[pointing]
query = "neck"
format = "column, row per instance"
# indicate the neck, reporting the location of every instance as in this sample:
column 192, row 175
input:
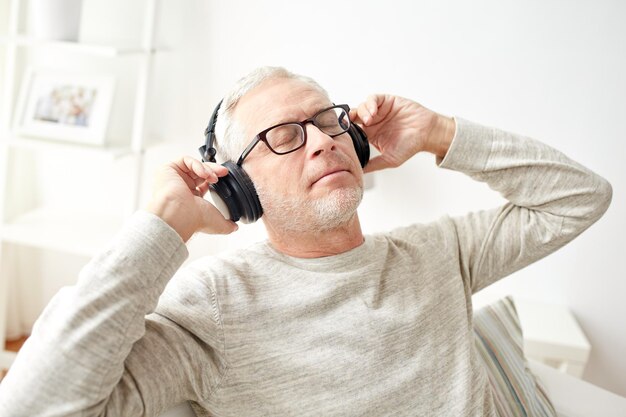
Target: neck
column 317, row 243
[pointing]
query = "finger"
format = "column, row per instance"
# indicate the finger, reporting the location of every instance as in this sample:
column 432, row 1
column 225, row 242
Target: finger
column 353, row 115
column 369, row 108
column 364, row 114
column 219, row 170
column 192, row 172
column 203, row 188
column 199, row 181
column 194, row 168
column 374, row 101
column 377, row 106
column 189, row 181
column 355, row 118
column 202, row 184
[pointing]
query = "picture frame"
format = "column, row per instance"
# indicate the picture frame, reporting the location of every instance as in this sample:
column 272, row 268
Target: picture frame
column 65, row 106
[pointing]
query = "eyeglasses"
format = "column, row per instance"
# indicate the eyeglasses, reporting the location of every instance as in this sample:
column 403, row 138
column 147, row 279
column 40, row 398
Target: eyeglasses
column 288, row 137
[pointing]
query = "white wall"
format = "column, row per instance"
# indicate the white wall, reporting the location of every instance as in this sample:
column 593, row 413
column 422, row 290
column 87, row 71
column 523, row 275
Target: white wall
column 551, row 70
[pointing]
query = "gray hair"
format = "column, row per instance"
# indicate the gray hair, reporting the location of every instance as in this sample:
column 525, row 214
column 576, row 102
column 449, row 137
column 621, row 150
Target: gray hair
column 229, row 134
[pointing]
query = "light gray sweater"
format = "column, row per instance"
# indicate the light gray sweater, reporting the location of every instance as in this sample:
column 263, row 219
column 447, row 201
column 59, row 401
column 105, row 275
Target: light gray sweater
column 382, row 330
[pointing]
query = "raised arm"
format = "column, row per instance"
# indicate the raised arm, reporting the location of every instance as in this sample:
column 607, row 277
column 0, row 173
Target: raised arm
column 552, row 199
column 98, row 349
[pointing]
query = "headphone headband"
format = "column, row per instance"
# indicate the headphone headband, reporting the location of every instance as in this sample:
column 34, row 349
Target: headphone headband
column 208, row 150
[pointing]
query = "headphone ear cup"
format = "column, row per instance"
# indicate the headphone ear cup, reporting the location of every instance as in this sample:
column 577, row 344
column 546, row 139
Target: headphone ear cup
column 236, row 192
column 361, row 145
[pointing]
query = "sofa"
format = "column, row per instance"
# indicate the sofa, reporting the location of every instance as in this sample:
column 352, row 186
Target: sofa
column 573, row 397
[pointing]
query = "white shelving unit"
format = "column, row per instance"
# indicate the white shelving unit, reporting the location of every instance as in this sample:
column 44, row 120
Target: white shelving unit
column 553, row 336
column 93, row 49
column 42, row 227
column 71, row 230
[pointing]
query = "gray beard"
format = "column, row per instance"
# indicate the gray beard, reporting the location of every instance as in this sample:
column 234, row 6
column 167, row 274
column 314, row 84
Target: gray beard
column 301, row 215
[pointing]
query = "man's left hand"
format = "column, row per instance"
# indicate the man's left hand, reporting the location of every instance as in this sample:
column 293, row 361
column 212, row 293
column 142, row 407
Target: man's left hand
column 399, row 128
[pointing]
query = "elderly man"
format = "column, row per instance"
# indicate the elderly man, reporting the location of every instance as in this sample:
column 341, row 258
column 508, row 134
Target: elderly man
column 319, row 320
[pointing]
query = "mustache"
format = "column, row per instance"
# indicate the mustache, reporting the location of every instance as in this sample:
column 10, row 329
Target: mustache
column 332, row 162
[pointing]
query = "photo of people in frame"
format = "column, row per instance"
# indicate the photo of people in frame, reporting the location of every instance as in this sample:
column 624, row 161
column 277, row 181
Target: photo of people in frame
column 66, row 104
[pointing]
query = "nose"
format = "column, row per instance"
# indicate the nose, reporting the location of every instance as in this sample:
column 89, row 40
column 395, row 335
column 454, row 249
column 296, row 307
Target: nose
column 318, row 141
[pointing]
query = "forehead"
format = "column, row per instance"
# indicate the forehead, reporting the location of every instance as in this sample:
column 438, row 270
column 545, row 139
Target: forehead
column 276, row 101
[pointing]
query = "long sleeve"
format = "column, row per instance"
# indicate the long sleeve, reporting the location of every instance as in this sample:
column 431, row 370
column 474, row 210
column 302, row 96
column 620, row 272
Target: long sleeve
column 97, row 349
column 551, row 200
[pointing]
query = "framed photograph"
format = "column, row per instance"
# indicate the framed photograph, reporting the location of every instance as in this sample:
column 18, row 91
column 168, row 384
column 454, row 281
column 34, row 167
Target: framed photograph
column 71, row 107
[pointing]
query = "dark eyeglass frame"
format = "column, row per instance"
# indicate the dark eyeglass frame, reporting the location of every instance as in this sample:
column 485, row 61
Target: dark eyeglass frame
column 261, row 136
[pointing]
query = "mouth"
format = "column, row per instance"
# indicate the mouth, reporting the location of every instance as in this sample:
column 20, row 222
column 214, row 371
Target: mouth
column 330, row 174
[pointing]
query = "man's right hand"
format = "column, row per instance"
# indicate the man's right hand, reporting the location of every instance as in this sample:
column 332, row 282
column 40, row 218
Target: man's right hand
column 178, row 198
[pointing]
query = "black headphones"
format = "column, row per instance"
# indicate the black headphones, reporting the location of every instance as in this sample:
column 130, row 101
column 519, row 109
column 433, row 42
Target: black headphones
column 234, row 195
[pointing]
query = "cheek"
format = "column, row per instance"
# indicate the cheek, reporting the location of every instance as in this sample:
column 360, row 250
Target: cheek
column 348, row 150
column 276, row 178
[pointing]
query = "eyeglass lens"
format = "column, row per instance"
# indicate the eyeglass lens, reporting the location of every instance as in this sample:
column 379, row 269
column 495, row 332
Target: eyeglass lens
column 287, row 137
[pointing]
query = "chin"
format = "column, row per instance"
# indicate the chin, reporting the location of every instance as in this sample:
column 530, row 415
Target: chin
column 330, row 211
column 336, row 208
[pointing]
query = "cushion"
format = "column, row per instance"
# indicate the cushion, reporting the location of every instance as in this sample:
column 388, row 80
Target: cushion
column 499, row 343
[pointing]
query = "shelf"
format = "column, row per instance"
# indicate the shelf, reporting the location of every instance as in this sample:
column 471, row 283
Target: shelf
column 71, row 228
column 6, row 358
column 88, row 48
column 553, row 336
column 43, row 145
column 75, row 232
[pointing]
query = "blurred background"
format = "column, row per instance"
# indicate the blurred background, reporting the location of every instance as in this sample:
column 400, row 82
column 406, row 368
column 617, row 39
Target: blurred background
column 552, row 70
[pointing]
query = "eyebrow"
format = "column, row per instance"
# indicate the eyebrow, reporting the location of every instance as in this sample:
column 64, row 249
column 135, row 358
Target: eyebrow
column 294, row 120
